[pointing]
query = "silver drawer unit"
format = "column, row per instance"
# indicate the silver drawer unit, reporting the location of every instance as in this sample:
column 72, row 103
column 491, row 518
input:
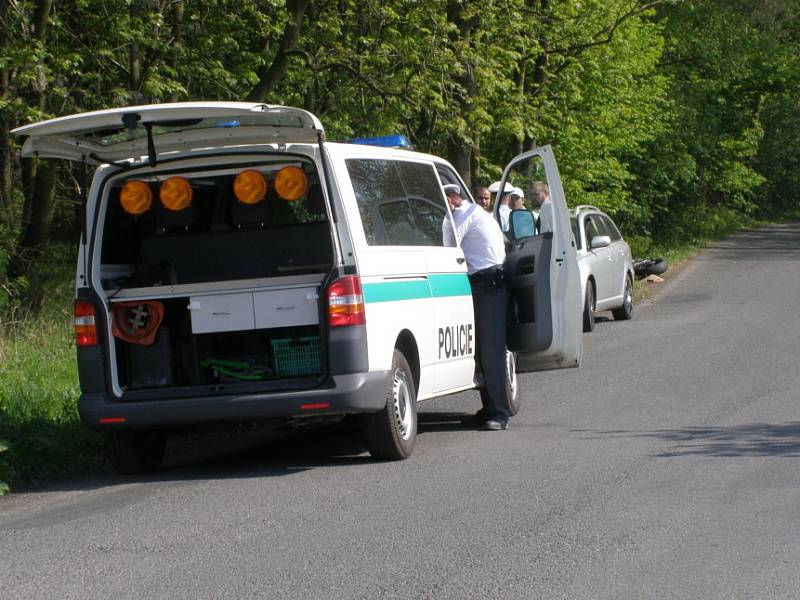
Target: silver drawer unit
column 284, row 308
column 223, row 312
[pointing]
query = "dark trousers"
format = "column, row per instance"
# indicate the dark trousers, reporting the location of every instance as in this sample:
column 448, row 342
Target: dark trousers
column 490, row 300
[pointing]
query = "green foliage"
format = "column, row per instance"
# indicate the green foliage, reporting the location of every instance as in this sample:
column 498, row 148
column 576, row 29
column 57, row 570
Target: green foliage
column 654, row 107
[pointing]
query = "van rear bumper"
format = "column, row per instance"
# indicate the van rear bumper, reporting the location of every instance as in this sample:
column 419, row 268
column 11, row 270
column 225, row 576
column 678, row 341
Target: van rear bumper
column 351, row 393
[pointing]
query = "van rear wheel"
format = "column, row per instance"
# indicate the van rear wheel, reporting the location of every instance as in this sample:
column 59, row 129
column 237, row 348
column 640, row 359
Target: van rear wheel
column 390, row 433
column 132, row 452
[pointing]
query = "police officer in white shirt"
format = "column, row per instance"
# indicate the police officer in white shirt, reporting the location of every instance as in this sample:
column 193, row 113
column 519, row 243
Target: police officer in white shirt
column 484, row 248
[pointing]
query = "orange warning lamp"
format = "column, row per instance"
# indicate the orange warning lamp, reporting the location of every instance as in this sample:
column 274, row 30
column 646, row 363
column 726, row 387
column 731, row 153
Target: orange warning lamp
column 291, row 183
column 175, row 193
column 250, row 187
column 136, row 197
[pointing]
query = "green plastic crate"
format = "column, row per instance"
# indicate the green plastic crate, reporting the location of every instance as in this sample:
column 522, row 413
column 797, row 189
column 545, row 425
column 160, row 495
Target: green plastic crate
column 295, row 357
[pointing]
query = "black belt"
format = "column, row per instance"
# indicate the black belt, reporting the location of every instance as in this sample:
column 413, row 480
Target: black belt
column 486, row 274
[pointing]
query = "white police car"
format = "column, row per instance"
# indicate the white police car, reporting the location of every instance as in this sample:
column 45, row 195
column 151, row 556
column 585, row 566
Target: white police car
column 234, row 265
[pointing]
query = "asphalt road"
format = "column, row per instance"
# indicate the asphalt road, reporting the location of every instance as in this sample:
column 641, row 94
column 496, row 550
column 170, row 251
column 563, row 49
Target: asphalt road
column 665, row 467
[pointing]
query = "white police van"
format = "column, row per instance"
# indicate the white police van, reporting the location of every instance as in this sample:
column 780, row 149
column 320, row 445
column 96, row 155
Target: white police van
column 235, row 266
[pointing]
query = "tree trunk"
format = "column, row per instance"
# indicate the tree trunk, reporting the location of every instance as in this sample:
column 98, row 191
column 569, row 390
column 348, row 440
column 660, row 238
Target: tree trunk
column 7, row 221
column 270, row 75
column 6, row 181
column 460, row 147
column 38, row 180
column 37, row 231
column 177, row 37
column 460, row 156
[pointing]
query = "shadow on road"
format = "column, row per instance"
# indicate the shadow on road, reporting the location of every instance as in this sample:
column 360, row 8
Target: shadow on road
column 751, row 440
column 231, row 455
column 250, row 454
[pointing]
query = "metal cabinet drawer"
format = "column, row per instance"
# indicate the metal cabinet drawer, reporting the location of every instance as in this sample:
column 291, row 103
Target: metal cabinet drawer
column 283, row 308
column 224, row 312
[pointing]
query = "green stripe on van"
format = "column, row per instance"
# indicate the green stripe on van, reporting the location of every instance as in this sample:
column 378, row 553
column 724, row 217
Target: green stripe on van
column 389, row 291
column 455, row 284
column 435, row 286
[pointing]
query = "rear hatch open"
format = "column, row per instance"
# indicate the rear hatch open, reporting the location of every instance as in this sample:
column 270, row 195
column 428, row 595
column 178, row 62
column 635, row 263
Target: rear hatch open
column 211, row 263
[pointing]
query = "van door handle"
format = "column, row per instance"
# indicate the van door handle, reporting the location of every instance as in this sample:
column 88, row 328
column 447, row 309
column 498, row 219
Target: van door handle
column 460, row 260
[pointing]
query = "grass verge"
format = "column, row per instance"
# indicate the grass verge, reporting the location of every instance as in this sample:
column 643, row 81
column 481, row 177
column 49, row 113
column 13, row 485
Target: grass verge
column 40, row 432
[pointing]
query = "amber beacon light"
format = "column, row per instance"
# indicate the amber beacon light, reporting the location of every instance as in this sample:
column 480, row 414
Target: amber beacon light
column 176, row 193
column 136, row 197
column 250, row 187
column 291, row 183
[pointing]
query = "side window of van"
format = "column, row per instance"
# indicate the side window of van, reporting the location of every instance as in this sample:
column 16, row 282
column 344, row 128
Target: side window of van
column 400, row 202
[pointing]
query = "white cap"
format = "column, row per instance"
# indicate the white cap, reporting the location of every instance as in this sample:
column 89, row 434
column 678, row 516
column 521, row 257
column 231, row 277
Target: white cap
column 517, row 192
column 495, row 187
column 451, row 188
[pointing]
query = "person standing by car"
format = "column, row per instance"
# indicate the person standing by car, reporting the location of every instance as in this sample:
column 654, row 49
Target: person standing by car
column 484, row 248
column 517, row 199
column 484, row 198
column 540, row 197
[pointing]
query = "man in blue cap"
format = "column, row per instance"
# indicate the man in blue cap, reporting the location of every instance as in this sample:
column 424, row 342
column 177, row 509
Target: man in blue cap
column 483, row 244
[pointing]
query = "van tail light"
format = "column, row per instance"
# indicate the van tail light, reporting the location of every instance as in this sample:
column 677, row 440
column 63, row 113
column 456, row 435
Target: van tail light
column 346, row 302
column 85, row 323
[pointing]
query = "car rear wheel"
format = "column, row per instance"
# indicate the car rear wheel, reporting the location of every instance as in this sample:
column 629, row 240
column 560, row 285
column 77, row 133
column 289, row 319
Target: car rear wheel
column 132, row 452
column 625, row 312
column 390, row 433
column 588, row 308
column 512, row 384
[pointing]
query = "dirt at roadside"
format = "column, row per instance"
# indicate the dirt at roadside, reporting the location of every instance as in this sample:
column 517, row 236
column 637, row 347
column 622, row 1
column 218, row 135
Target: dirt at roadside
column 645, row 288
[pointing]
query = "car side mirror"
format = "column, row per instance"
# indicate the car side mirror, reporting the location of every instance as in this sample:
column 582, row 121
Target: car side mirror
column 600, row 241
column 522, row 224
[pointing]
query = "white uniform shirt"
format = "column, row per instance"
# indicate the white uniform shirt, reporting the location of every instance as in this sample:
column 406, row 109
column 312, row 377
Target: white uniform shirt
column 546, row 216
column 505, row 212
column 479, row 235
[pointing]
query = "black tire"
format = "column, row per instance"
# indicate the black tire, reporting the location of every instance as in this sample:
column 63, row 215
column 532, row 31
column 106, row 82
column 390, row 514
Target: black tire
column 625, row 312
column 133, row 452
column 588, row 308
column 390, row 433
column 512, row 384
column 657, row 267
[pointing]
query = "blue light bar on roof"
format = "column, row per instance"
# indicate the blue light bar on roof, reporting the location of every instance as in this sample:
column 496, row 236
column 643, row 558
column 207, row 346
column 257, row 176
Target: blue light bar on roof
column 385, row 141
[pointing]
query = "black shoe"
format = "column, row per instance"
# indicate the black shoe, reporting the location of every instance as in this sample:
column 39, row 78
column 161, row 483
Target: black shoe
column 495, row 425
column 476, row 420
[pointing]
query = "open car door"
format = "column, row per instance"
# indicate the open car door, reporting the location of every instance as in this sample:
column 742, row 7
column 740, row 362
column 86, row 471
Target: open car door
column 544, row 317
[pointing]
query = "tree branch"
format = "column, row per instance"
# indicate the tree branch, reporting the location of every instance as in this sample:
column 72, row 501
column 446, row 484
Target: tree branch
column 270, row 75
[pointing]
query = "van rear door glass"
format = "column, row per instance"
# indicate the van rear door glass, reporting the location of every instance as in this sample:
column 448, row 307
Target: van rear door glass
column 217, row 237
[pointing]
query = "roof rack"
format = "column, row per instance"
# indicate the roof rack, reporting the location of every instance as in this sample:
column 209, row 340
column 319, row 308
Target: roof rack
column 584, row 207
